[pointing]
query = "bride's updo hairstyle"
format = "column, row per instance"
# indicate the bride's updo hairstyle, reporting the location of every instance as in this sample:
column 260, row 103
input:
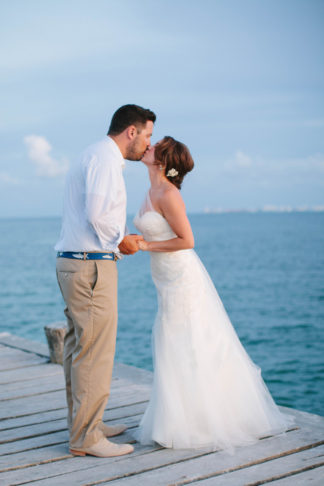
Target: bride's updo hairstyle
column 174, row 155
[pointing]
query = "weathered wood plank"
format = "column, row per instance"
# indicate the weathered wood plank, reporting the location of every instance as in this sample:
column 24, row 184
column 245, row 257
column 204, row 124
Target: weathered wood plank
column 53, row 454
column 55, row 415
column 18, row 342
column 180, row 475
column 41, row 384
column 13, row 350
column 65, row 464
column 49, row 471
column 15, row 355
column 56, row 400
column 24, row 406
column 313, row 477
column 180, row 465
column 31, row 457
column 61, row 437
column 36, row 382
column 133, row 374
column 34, row 442
column 46, row 384
column 37, row 430
column 37, row 456
column 305, row 419
column 288, row 466
column 44, row 471
column 121, row 370
column 21, row 364
column 5, row 352
column 22, row 375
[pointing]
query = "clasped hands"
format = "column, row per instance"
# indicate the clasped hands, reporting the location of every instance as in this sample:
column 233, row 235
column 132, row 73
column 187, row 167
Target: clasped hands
column 130, row 244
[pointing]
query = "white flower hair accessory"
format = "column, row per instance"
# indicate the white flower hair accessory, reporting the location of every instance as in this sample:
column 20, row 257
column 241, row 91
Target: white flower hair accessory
column 172, row 173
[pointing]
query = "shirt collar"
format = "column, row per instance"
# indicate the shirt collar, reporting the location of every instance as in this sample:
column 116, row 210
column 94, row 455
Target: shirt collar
column 116, row 149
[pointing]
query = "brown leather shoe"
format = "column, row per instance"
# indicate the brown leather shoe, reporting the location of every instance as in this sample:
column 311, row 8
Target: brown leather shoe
column 112, row 430
column 104, row 448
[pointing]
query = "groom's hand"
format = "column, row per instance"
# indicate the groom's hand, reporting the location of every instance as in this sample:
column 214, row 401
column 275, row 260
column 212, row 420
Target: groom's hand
column 129, row 245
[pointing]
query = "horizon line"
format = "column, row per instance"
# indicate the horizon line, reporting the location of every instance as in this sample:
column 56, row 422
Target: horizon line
column 207, row 210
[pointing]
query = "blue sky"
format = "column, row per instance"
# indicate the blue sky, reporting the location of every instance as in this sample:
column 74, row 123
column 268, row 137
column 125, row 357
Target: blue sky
column 240, row 82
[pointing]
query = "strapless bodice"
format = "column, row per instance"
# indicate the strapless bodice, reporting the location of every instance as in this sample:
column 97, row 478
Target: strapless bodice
column 166, row 266
column 153, row 226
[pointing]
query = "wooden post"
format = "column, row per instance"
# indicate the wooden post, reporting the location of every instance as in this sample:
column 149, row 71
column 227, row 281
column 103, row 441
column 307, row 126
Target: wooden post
column 55, row 333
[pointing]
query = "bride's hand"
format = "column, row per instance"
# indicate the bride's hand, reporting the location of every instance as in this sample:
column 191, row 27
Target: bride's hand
column 129, row 244
column 143, row 245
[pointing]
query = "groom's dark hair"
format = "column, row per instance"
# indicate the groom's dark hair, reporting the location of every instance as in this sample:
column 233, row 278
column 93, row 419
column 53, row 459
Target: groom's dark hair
column 130, row 115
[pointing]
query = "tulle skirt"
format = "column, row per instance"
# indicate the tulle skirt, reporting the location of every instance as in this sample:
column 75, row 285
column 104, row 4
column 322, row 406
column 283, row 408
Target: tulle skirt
column 206, row 390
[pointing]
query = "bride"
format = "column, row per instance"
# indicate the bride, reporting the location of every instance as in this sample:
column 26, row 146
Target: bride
column 206, row 390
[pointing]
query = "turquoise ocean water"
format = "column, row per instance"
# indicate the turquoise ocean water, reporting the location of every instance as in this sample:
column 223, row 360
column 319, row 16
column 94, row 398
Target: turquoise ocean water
column 267, row 267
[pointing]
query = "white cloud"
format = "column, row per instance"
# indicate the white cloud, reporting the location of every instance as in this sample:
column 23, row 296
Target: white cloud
column 256, row 167
column 8, row 179
column 39, row 153
column 242, row 160
column 239, row 161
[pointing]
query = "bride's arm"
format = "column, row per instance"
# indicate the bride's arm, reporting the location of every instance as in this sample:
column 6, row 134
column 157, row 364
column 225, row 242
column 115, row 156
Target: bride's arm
column 174, row 211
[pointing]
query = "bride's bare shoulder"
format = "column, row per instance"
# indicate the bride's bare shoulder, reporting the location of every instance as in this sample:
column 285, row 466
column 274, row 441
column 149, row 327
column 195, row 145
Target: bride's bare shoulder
column 171, row 196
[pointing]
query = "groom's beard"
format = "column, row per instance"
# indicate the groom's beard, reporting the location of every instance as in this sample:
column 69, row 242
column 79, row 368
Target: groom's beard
column 133, row 152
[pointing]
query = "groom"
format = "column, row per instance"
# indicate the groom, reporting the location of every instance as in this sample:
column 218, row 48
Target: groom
column 92, row 238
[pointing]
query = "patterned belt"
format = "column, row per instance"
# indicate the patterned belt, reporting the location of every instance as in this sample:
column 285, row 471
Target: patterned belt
column 82, row 255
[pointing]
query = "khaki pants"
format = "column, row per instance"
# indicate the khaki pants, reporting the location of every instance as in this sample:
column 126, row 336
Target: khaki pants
column 89, row 289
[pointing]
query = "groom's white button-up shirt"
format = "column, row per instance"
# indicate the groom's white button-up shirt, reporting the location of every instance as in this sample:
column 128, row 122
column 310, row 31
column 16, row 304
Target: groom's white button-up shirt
column 94, row 209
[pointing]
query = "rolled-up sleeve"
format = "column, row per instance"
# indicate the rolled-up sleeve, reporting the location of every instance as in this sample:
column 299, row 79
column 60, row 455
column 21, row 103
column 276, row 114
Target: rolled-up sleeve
column 104, row 193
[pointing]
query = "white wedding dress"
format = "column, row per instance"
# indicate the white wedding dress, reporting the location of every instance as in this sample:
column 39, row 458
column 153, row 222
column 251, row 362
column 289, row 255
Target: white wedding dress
column 206, row 390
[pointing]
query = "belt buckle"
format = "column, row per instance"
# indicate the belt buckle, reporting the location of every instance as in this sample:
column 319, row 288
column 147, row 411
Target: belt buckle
column 85, row 254
column 115, row 257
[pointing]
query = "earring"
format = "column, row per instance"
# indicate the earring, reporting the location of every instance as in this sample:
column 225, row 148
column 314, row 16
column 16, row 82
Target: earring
column 161, row 167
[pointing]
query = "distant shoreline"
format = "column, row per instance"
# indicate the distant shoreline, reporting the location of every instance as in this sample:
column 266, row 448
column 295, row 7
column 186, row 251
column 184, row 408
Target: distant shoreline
column 266, row 209
column 206, row 211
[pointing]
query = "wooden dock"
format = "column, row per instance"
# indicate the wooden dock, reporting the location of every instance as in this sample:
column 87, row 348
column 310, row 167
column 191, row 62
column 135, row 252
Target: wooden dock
column 34, row 438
